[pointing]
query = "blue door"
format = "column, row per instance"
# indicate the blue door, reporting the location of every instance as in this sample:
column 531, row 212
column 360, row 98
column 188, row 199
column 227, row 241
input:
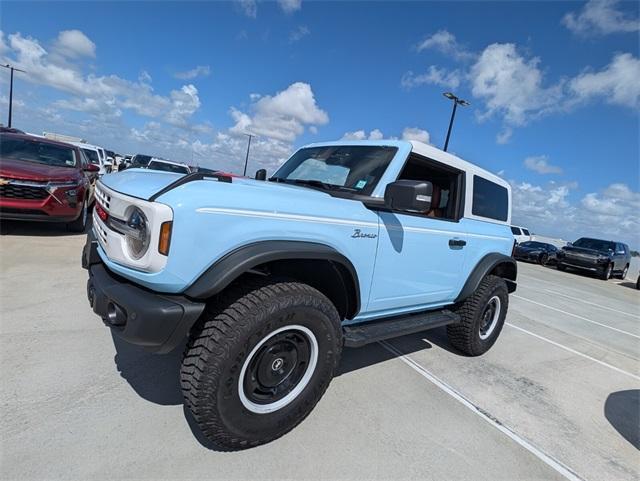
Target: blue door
column 419, row 263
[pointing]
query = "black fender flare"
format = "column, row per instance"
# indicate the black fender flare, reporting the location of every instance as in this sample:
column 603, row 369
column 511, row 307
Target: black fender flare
column 241, row 260
column 486, row 265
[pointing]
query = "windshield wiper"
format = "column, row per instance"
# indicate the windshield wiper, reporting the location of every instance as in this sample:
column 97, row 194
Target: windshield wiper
column 312, row 183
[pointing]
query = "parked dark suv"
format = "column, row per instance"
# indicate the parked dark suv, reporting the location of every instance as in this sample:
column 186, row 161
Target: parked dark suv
column 603, row 257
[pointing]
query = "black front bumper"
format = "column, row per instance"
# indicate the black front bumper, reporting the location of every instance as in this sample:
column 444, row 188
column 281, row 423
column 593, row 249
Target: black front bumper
column 592, row 265
column 157, row 322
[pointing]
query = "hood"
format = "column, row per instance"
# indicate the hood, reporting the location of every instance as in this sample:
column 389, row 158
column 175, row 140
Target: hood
column 582, row 250
column 20, row 169
column 528, row 249
column 144, row 183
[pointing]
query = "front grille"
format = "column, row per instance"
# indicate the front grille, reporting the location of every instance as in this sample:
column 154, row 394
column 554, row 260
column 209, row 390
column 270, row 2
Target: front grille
column 103, row 197
column 16, row 191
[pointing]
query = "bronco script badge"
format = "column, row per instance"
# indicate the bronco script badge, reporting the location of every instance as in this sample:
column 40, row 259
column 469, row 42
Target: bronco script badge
column 357, row 234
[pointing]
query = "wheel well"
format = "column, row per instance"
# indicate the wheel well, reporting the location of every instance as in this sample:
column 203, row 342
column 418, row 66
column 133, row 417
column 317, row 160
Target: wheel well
column 331, row 278
column 506, row 270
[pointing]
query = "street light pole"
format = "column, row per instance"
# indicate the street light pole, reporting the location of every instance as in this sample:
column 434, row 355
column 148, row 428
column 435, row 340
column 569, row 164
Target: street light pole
column 246, row 160
column 12, row 68
column 456, row 101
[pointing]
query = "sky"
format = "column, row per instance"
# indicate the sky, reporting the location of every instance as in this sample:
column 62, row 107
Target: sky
column 554, row 88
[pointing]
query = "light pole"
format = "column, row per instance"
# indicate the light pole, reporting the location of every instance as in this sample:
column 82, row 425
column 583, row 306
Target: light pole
column 246, row 160
column 456, row 101
column 12, row 68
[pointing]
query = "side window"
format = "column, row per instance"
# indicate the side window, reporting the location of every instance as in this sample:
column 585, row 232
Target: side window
column 525, row 232
column 446, row 185
column 490, row 200
column 515, row 231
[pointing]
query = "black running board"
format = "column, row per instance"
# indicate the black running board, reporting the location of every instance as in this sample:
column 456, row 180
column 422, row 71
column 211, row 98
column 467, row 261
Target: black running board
column 367, row 332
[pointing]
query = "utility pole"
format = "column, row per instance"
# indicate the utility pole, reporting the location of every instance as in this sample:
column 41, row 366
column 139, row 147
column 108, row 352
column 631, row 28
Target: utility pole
column 456, row 101
column 246, row 160
column 12, row 68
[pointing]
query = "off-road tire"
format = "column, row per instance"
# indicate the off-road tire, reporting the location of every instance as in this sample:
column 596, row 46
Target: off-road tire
column 224, row 337
column 543, row 259
column 80, row 224
column 465, row 335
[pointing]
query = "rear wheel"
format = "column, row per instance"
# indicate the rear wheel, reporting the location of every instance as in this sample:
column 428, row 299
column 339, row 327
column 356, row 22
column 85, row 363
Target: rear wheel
column 482, row 317
column 258, row 362
column 544, row 259
column 624, row 272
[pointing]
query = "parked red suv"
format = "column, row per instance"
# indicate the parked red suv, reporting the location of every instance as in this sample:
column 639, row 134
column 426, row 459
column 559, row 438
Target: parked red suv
column 45, row 180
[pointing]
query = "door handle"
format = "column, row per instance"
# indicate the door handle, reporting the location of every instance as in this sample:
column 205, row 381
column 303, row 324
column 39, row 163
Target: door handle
column 457, row 243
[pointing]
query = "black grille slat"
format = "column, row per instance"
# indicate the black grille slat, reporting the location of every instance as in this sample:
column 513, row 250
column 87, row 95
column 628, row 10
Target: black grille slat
column 12, row 191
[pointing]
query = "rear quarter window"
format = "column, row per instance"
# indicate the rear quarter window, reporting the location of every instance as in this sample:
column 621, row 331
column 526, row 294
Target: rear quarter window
column 490, row 200
column 515, row 231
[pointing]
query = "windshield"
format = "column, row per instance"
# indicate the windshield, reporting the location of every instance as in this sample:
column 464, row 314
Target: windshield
column 347, row 167
column 178, row 169
column 140, row 160
column 595, row 244
column 34, row 151
column 92, row 155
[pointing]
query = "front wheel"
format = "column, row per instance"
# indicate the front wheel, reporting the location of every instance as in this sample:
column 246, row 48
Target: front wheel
column 80, row 224
column 544, row 259
column 605, row 275
column 481, row 317
column 259, row 360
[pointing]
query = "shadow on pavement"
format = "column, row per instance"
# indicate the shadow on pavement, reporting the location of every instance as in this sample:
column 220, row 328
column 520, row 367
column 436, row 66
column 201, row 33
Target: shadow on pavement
column 629, row 284
column 156, row 378
column 153, row 377
column 622, row 410
column 38, row 229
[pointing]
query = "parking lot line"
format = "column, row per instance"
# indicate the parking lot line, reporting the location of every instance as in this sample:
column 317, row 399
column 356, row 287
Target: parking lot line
column 577, row 316
column 635, row 316
column 573, row 351
column 547, row 459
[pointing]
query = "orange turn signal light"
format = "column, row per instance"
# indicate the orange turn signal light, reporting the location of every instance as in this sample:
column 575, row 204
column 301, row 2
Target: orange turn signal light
column 165, row 238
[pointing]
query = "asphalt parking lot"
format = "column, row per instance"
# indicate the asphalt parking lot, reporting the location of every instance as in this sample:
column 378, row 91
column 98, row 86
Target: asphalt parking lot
column 557, row 397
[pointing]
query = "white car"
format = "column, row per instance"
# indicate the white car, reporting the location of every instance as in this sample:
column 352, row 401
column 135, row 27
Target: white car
column 168, row 166
column 520, row 234
column 97, row 156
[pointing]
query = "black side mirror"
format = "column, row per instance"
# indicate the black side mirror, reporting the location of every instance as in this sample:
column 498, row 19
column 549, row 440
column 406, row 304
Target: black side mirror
column 409, row 195
column 261, row 174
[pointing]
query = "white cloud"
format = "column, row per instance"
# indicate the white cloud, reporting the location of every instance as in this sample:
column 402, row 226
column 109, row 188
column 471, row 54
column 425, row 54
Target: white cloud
column 549, row 210
column 414, row 133
column 541, row 165
column 618, row 83
column 434, row 75
column 74, row 44
column 199, row 71
column 290, row 6
column 282, row 116
column 446, row 43
column 105, row 95
column 600, row 17
column 375, row 134
column 299, row 33
column 511, row 85
column 248, row 7
column 504, row 136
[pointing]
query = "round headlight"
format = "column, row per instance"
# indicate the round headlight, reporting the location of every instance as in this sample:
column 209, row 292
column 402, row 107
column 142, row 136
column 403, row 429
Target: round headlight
column 138, row 236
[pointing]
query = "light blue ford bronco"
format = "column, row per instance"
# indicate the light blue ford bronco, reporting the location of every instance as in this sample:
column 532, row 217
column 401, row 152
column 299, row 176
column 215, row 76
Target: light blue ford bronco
column 346, row 244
